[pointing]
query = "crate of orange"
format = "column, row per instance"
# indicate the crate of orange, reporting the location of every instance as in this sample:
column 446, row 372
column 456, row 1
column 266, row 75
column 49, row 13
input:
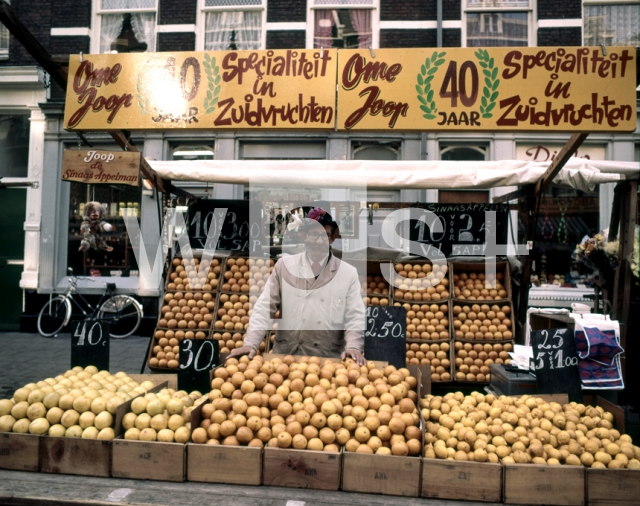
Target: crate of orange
column 421, row 281
column 246, row 275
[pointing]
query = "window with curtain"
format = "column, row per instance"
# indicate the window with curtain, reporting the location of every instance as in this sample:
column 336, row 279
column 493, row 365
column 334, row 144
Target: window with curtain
column 4, row 39
column 343, row 28
column 131, row 29
column 495, row 23
column 233, row 30
column 612, row 25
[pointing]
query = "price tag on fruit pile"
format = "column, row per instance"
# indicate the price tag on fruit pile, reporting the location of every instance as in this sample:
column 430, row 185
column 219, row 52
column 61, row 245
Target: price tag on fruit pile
column 385, row 336
column 197, row 358
column 90, row 344
column 556, row 362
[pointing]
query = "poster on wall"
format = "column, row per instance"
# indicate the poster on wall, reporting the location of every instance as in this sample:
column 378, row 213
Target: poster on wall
column 272, row 89
column 569, row 89
column 101, row 167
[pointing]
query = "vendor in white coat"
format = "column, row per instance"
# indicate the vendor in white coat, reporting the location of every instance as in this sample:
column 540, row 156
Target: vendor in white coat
column 318, row 295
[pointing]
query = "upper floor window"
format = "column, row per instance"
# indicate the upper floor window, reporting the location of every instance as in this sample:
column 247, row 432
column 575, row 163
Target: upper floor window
column 233, row 24
column 492, row 23
column 343, row 23
column 612, row 24
column 127, row 26
column 4, row 40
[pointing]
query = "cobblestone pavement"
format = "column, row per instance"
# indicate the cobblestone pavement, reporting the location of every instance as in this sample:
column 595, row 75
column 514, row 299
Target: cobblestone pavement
column 26, row 358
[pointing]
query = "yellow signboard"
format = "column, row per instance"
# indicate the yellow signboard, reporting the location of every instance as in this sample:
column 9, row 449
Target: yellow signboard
column 274, row 89
column 106, row 167
column 473, row 89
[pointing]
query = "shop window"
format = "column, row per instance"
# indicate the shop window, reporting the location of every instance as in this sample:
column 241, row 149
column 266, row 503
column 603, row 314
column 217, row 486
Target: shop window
column 99, row 261
column 194, row 152
column 493, row 23
column 233, row 24
column 463, row 153
column 375, row 150
column 342, row 28
column 283, row 151
column 612, row 24
column 127, row 26
column 4, row 40
column 14, row 145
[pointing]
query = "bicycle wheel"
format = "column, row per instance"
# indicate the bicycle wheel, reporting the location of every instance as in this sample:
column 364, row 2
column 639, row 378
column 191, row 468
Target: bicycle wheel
column 123, row 313
column 53, row 316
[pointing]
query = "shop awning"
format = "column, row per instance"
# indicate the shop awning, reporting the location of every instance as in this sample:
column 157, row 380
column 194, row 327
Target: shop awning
column 578, row 173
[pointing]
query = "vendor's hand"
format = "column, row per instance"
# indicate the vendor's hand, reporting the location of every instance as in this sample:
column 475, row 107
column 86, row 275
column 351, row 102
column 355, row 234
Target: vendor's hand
column 355, row 355
column 249, row 351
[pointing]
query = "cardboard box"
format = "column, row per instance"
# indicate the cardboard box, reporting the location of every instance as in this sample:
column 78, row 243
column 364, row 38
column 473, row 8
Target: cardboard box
column 143, row 460
column 286, row 467
column 238, row 465
column 488, row 379
column 464, row 481
column 66, row 455
column 381, row 474
column 419, row 342
column 19, row 452
column 539, row 484
column 613, row 487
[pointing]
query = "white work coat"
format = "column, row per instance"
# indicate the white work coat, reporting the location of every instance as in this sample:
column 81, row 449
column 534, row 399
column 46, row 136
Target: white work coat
column 320, row 317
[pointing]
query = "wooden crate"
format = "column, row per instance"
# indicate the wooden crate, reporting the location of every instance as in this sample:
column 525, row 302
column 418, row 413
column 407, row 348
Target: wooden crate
column 479, row 267
column 539, row 484
column 613, row 487
column 157, row 379
column 19, row 452
column 143, row 460
column 85, row 457
column 464, row 481
column 237, row 465
column 302, row 468
column 381, row 474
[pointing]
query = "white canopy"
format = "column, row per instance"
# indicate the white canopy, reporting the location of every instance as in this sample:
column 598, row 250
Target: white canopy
column 578, row 173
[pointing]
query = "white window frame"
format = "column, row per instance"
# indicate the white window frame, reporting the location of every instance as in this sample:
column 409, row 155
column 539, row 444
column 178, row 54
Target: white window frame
column 531, row 11
column 592, row 3
column 374, row 7
column 201, row 20
column 96, row 22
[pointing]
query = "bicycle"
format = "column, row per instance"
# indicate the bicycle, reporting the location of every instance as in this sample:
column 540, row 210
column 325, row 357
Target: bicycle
column 122, row 312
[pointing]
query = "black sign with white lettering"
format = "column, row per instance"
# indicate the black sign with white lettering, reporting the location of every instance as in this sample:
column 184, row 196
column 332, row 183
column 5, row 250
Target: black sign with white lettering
column 385, row 337
column 197, row 358
column 90, row 344
column 464, row 228
column 239, row 232
column 556, row 362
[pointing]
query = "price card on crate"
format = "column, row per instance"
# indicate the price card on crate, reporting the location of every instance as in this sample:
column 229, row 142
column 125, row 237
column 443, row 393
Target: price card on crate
column 197, row 358
column 90, row 344
column 556, row 362
column 385, row 336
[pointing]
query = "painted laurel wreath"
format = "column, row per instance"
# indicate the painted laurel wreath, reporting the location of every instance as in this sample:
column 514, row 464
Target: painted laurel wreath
column 491, row 83
column 425, row 93
column 213, row 80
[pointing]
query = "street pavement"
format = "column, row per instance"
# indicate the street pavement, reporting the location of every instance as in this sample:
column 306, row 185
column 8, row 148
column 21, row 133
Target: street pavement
column 29, row 358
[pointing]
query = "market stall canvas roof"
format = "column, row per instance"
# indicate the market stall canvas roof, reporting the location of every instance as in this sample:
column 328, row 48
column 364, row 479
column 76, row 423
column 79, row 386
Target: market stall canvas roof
column 578, row 173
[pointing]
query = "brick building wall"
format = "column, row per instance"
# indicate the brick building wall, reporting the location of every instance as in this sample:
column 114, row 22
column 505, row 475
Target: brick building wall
column 35, row 15
column 555, row 9
column 79, row 15
column 291, row 39
column 407, row 38
column 177, row 12
column 403, row 10
column 176, row 42
column 286, row 11
column 565, row 36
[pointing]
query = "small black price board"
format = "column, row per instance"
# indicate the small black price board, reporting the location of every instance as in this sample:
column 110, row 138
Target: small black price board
column 197, row 358
column 90, row 344
column 556, row 362
column 385, row 337
column 464, row 228
column 239, row 231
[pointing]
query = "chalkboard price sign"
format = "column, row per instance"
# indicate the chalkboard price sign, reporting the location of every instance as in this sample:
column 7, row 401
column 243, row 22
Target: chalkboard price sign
column 385, row 334
column 464, row 228
column 556, row 362
column 197, row 358
column 90, row 344
column 238, row 232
